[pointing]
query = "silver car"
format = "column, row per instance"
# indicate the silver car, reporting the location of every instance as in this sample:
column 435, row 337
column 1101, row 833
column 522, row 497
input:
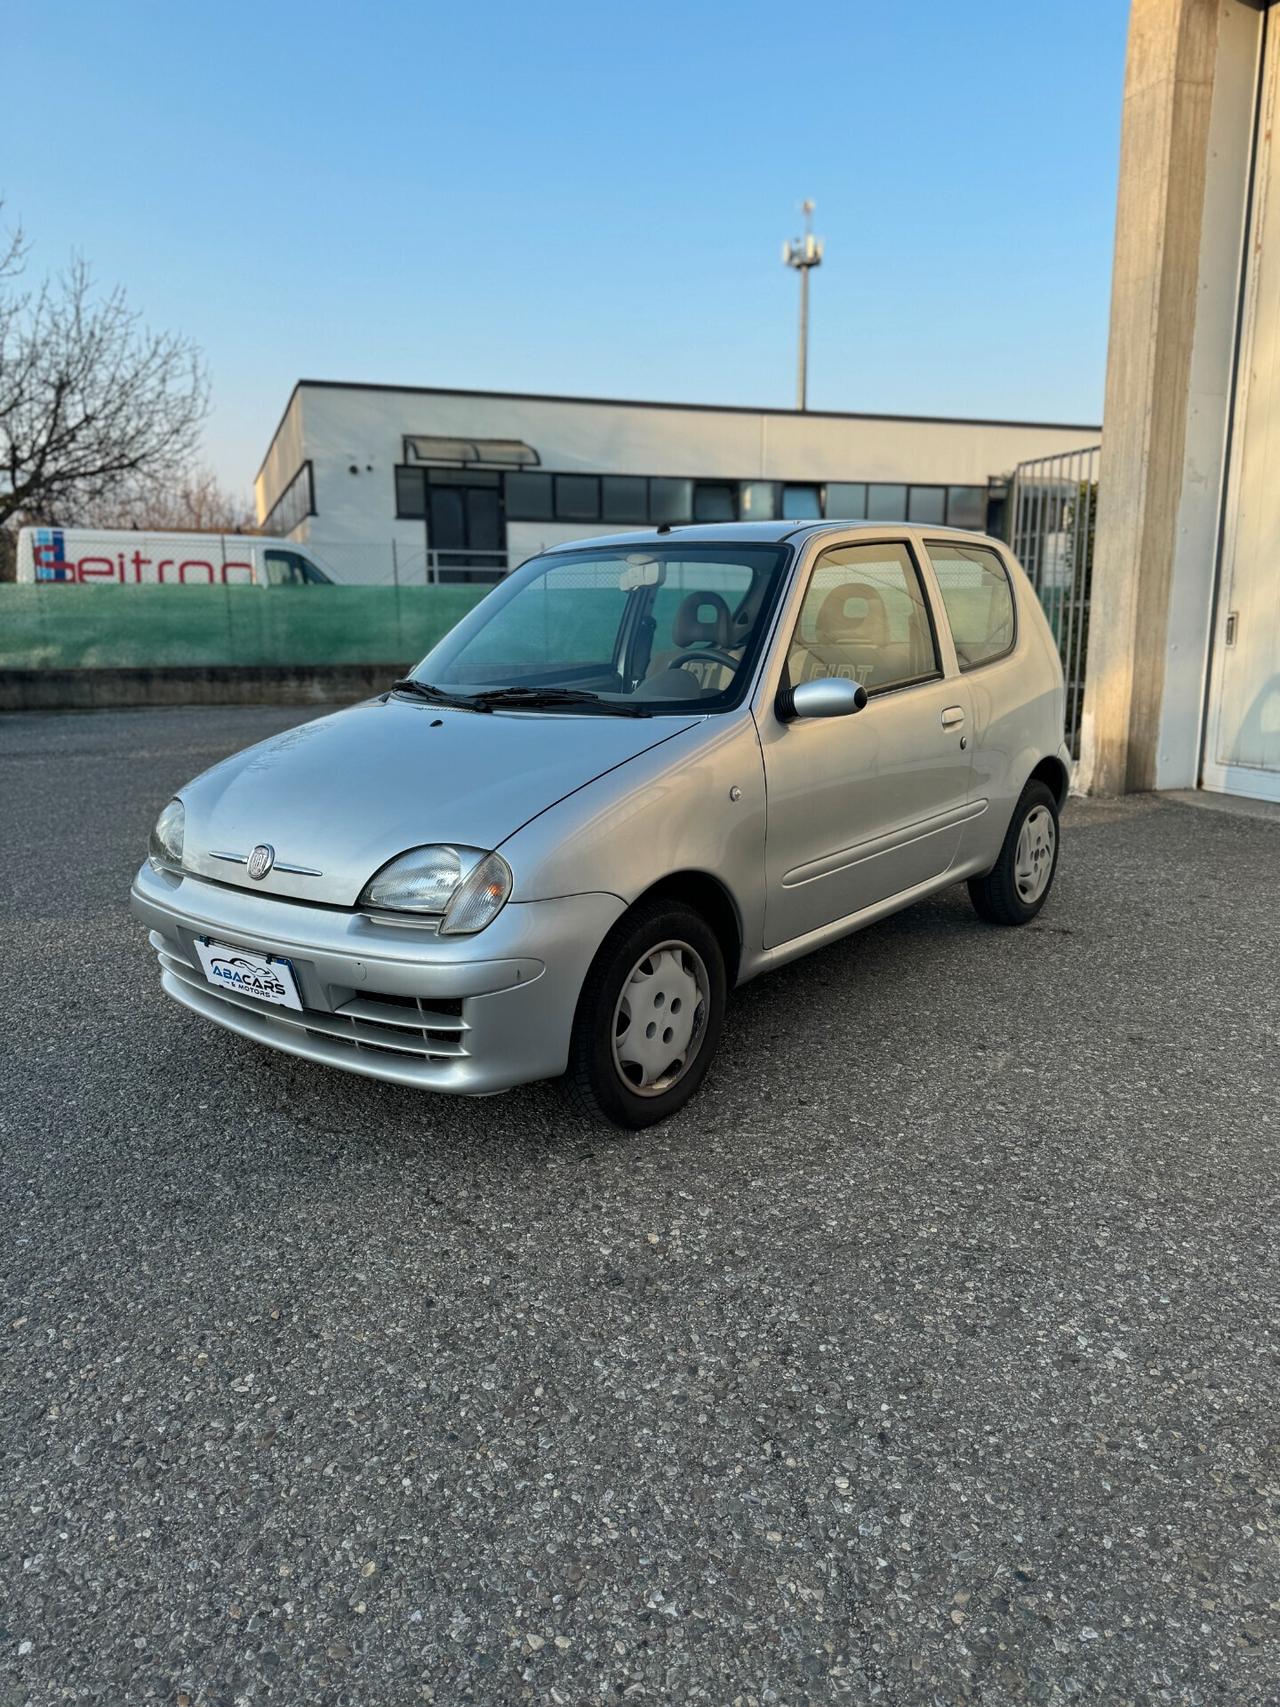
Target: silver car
column 643, row 770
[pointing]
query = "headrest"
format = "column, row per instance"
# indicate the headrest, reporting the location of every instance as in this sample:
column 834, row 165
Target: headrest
column 854, row 611
column 702, row 616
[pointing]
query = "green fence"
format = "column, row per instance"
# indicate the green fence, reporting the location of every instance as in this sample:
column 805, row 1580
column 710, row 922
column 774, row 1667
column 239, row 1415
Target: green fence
column 105, row 628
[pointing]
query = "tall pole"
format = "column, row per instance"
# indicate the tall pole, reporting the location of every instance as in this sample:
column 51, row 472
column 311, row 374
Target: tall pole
column 803, row 253
column 802, row 373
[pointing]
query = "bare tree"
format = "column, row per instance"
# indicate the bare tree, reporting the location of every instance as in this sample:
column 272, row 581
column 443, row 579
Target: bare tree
column 90, row 400
column 197, row 503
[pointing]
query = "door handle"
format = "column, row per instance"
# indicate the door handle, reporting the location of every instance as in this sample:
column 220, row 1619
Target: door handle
column 953, row 717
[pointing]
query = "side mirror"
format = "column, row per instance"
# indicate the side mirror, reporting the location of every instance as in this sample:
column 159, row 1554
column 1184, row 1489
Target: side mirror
column 830, row 696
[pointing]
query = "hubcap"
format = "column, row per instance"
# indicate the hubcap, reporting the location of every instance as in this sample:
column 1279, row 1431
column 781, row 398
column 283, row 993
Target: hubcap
column 661, row 1018
column 1033, row 858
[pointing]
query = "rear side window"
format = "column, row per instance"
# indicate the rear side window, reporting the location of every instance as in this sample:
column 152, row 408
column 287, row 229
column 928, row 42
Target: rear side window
column 978, row 598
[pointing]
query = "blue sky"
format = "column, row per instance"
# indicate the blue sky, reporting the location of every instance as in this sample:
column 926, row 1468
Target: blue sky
column 584, row 197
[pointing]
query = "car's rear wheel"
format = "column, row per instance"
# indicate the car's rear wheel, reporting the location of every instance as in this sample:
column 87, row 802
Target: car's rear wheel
column 649, row 1016
column 1018, row 884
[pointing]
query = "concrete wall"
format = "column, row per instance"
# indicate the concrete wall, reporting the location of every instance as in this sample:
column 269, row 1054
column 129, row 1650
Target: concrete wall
column 1186, row 141
column 212, row 684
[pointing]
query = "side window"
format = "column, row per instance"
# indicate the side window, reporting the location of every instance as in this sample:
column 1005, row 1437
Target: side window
column 978, row 599
column 290, row 569
column 282, row 569
column 864, row 618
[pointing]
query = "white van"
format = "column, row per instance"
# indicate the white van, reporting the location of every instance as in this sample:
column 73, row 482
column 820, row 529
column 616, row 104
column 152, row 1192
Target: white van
column 98, row 557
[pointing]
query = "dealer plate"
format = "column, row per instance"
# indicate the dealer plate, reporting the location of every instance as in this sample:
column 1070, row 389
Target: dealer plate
column 262, row 976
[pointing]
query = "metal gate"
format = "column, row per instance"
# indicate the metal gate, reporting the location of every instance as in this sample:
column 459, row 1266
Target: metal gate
column 1053, row 505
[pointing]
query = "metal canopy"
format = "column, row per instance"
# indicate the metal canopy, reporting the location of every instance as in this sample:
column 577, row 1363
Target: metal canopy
column 490, row 453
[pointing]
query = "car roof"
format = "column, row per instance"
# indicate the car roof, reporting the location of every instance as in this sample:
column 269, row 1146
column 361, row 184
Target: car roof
column 762, row 533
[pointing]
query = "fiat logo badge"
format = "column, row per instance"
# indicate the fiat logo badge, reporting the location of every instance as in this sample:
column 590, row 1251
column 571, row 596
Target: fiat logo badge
column 261, row 860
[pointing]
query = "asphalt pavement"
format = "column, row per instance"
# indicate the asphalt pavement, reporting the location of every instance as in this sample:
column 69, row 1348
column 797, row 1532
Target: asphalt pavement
column 930, row 1356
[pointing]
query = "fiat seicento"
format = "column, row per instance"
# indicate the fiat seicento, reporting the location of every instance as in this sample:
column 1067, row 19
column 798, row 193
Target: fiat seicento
column 643, row 770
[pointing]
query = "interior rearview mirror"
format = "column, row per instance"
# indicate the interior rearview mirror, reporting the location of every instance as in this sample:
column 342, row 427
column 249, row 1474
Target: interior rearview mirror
column 830, row 696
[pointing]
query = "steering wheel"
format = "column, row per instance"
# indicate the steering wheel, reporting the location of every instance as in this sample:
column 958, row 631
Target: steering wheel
column 696, row 655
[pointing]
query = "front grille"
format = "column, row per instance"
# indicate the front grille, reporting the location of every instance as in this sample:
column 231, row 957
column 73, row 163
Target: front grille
column 403, row 1026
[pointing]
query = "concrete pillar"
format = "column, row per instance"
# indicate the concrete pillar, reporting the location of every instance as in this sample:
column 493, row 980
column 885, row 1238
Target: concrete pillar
column 1164, row 153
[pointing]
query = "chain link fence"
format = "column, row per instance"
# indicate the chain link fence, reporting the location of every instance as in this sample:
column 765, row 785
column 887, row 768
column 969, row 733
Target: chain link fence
column 389, row 563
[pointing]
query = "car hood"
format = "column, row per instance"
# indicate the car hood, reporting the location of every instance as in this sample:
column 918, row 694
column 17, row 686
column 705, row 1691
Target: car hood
column 343, row 795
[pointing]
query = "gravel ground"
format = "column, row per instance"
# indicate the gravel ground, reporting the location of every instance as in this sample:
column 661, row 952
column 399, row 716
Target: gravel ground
column 930, row 1357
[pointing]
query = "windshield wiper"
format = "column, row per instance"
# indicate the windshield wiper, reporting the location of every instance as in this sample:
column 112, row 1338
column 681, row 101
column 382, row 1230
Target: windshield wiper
column 435, row 695
column 496, row 698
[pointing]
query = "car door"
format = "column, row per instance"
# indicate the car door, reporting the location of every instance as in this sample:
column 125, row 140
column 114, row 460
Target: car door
column 863, row 807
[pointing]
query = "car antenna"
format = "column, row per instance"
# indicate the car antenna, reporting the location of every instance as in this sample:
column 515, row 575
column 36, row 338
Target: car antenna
column 664, row 527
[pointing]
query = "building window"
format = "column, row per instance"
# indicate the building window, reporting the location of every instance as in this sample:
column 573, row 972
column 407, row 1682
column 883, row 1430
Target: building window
column 714, row 502
column 624, row 498
column 411, row 493
column 577, row 497
column 671, row 500
column 758, row 500
column 801, row 503
column 967, row 507
column 927, row 504
column 293, row 506
column 528, row 497
column 887, row 503
column 847, row 500
column 631, row 500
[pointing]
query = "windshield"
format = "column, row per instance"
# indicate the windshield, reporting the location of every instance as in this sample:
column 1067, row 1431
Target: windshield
column 658, row 628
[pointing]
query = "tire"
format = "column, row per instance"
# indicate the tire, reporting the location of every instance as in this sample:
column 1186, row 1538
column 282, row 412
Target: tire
column 1016, row 888
column 660, row 963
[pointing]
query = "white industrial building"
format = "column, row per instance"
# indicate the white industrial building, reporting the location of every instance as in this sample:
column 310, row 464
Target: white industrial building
column 394, row 482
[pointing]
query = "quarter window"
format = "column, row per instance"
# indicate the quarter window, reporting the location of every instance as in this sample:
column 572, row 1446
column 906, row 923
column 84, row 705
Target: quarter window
column 864, row 619
column 978, row 601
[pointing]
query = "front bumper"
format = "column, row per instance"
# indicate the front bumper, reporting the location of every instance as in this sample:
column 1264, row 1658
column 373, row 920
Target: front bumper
column 470, row 1014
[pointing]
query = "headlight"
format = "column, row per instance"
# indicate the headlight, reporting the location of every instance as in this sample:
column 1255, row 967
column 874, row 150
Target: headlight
column 165, row 847
column 465, row 888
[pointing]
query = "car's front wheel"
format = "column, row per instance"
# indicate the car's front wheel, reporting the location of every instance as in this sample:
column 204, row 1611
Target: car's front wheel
column 649, row 1016
column 1018, row 884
